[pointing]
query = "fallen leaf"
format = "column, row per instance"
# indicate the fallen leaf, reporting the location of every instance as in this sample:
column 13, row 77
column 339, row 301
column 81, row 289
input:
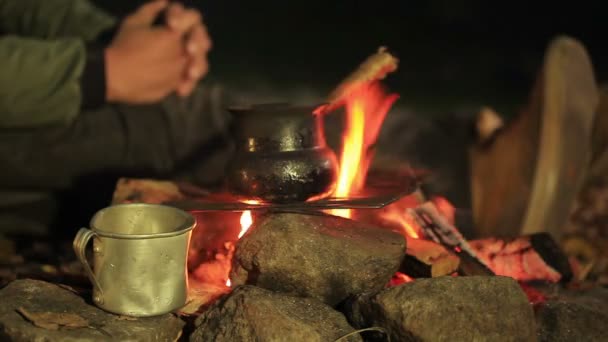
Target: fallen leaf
column 127, row 318
column 54, row 320
column 67, row 287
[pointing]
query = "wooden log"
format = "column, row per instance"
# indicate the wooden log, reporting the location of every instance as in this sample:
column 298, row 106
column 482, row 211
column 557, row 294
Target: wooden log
column 470, row 266
column 437, row 227
column 548, row 249
column 427, row 259
column 524, row 180
column 526, row 258
column 375, row 68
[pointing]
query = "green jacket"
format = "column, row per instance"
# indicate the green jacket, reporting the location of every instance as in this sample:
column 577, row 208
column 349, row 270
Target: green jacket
column 46, row 54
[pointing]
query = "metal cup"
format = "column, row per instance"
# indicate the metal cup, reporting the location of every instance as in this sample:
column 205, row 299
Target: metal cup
column 140, row 253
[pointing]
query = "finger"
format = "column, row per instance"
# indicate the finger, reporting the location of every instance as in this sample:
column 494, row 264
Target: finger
column 185, row 22
column 198, row 67
column 199, row 41
column 192, row 78
column 175, row 10
column 169, row 42
column 146, row 14
column 186, row 88
column 174, row 72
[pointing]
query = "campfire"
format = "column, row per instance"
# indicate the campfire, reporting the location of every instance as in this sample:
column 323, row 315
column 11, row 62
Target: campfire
column 434, row 248
column 329, row 270
column 424, row 243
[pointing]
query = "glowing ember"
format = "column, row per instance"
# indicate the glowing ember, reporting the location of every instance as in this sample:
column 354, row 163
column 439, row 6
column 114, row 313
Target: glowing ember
column 366, row 109
column 399, row 278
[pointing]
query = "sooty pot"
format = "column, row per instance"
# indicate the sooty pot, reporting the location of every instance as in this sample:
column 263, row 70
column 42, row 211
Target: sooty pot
column 281, row 154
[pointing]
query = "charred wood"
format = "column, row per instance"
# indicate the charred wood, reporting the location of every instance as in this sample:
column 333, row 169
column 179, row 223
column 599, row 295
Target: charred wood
column 426, row 259
column 526, row 258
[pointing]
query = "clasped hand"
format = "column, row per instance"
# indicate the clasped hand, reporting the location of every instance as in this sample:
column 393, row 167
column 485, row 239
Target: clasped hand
column 146, row 62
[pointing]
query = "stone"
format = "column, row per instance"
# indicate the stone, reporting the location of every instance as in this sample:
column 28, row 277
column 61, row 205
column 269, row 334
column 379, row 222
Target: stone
column 579, row 315
column 252, row 314
column 315, row 255
column 39, row 298
column 448, row 309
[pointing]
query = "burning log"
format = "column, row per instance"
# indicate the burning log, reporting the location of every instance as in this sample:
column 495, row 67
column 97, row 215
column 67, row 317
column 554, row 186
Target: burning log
column 471, row 266
column 438, row 228
column 374, row 68
column 426, row 259
column 527, row 258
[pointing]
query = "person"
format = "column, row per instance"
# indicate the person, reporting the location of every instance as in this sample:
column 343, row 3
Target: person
column 85, row 98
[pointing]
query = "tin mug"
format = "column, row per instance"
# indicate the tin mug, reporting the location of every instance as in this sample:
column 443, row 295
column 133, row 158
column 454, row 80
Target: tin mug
column 139, row 258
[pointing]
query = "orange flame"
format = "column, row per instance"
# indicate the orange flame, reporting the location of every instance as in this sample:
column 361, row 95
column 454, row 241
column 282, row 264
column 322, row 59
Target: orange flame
column 246, row 221
column 399, row 217
column 400, row 278
column 366, row 109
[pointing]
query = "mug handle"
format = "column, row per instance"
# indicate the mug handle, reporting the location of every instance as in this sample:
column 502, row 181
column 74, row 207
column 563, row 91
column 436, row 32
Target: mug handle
column 80, row 244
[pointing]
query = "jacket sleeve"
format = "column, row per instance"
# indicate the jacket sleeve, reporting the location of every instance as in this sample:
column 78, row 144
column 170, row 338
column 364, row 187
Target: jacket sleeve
column 40, row 81
column 50, row 19
column 50, row 67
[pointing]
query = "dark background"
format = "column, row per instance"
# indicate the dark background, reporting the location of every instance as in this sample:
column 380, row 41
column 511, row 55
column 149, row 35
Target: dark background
column 455, row 56
column 452, row 53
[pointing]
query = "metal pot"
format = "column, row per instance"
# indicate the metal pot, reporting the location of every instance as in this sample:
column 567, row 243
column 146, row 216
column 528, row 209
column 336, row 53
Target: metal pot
column 281, row 154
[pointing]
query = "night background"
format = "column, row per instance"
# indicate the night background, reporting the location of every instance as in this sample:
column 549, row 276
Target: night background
column 454, row 58
column 452, row 53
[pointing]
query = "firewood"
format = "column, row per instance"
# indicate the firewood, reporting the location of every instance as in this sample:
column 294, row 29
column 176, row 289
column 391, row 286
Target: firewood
column 551, row 253
column 374, row 68
column 512, row 192
column 436, row 226
column 526, row 258
column 426, row 259
column 488, row 124
column 470, row 266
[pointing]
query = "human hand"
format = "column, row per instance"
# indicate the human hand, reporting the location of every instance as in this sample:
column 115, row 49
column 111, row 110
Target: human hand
column 145, row 63
column 197, row 44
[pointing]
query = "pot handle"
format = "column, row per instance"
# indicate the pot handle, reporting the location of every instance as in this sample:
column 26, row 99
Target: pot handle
column 80, row 244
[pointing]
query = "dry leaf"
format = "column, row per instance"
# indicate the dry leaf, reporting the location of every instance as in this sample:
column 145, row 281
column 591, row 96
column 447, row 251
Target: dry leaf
column 127, row 318
column 54, row 320
column 68, row 288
